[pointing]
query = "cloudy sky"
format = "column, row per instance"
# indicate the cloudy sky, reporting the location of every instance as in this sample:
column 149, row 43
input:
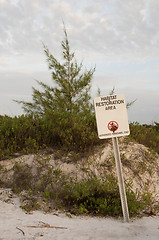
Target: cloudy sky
column 120, row 37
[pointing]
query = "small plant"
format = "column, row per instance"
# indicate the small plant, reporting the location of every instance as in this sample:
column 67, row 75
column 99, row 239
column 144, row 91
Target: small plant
column 94, row 196
column 22, row 178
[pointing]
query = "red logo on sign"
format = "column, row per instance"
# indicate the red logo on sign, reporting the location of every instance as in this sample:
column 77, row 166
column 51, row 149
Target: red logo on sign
column 113, row 126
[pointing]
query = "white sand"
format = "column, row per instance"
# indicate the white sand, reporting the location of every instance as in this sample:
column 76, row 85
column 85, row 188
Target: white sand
column 14, row 222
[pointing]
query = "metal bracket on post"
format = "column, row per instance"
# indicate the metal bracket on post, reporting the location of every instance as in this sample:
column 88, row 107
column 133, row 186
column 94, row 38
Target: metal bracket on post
column 120, row 180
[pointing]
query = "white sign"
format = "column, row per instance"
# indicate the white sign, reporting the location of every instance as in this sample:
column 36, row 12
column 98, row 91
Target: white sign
column 111, row 116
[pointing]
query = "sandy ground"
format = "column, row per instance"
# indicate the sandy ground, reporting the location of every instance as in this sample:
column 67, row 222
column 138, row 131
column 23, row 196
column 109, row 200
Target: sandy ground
column 15, row 224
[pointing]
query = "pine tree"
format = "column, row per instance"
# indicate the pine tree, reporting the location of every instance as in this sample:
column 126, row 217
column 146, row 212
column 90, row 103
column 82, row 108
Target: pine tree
column 67, row 101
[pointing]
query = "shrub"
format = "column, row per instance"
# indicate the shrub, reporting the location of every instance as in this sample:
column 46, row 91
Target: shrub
column 28, row 134
column 147, row 135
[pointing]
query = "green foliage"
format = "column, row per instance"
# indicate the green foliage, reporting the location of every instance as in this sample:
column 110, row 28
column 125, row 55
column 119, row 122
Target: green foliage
column 94, row 196
column 65, row 106
column 22, row 178
column 30, row 133
column 147, row 135
column 101, row 197
column 19, row 134
column 136, row 200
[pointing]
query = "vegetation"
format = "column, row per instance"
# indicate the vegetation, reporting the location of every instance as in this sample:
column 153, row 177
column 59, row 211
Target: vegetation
column 54, row 190
column 62, row 117
column 48, row 188
column 66, row 104
column 147, row 135
column 31, row 133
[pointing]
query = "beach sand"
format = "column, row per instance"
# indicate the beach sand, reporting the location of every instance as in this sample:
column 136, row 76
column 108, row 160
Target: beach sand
column 15, row 224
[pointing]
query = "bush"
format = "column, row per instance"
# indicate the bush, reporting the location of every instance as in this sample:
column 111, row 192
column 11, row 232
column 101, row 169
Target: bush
column 94, row 196
column 28, row 133
column 19, row 134
column 147, row 135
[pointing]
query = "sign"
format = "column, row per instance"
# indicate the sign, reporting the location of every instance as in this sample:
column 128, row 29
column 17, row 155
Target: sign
column 112, row 122
column 111, row 116
column 113, row 126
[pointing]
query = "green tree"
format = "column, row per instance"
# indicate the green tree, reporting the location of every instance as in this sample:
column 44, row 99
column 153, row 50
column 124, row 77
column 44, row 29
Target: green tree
column 67, row 102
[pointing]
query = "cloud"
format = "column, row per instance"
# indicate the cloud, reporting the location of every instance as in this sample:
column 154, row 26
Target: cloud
column 114, row 28
column 120, row 37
